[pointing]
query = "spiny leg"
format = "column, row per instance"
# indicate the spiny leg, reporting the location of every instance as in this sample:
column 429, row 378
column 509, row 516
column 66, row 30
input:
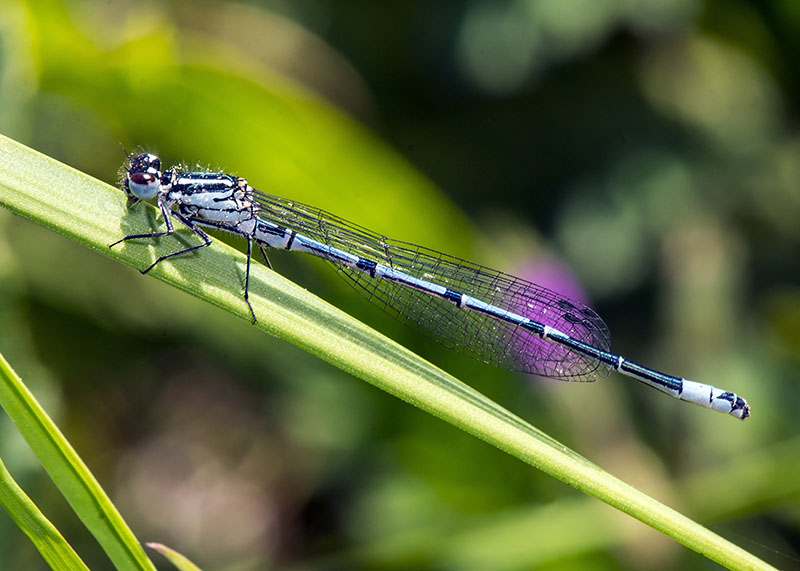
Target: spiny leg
column 190, row 226
column 170, row 229
column 249, row 239
column 247, row 278
column 266, row 259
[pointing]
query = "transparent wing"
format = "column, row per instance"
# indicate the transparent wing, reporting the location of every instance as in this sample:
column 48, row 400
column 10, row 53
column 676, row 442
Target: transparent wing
column 475, row 334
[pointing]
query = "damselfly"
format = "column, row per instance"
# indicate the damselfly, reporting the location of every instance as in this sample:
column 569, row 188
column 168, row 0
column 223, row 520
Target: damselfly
column 489, row 315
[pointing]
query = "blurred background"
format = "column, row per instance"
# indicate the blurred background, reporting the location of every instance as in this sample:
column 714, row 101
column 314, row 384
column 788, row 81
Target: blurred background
column 640, row 156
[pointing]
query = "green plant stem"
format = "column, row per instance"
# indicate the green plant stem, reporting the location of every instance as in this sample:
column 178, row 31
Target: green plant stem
column 47, row 539
column 70, row 474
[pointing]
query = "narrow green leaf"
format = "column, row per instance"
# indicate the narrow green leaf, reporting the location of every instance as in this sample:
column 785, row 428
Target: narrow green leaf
column 180, row 561
column 47, row 539
column 70, row 474
column 95, row 214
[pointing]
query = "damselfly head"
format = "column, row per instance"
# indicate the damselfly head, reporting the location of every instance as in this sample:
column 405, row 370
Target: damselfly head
column 143, row 178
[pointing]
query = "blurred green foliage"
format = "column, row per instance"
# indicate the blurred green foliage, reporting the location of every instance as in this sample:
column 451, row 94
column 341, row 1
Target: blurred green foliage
column 649, row 147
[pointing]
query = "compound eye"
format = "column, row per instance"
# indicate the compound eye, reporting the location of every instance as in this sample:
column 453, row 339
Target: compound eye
column 143, row 185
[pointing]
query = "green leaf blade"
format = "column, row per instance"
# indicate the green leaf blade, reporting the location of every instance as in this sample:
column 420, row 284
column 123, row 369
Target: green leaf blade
column 47, row 539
